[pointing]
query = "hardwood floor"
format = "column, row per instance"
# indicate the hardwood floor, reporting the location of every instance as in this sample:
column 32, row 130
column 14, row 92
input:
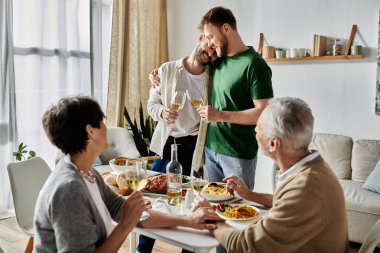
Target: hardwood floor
column 13, row 240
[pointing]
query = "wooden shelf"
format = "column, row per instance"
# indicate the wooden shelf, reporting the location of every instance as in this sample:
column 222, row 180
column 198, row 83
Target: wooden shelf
column 316, row 58
column 345, row 56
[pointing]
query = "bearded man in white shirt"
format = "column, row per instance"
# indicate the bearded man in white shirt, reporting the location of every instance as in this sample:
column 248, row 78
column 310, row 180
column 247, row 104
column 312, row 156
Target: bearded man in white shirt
column 190, row 74
column 187, row 74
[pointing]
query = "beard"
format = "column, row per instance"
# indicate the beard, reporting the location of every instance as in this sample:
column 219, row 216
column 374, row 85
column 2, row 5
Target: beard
column 202, row 57
column 222, row 49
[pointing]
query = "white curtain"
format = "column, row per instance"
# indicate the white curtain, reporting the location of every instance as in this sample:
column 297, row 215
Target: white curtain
column 101, row 17
column 52, row 59
column 8, row 135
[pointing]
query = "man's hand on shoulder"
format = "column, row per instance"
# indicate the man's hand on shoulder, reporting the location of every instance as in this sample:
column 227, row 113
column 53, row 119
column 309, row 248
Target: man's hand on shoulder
column 154, row 79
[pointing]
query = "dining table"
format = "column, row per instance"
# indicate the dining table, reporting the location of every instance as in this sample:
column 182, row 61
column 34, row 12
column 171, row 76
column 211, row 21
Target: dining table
column 199, row 241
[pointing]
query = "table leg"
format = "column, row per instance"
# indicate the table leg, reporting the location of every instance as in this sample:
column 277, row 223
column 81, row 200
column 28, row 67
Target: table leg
column 132, row 242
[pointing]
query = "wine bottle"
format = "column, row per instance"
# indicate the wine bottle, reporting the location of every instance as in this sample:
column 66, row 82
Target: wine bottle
column 174, row 178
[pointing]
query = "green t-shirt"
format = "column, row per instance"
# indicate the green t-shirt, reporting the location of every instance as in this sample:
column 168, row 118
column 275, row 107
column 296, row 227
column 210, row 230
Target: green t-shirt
column 237, row 80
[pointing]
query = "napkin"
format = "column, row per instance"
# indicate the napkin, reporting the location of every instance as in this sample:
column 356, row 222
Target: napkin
column 160, row 205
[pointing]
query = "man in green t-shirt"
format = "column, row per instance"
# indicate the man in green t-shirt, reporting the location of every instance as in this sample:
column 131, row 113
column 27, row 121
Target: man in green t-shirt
column 241, row 88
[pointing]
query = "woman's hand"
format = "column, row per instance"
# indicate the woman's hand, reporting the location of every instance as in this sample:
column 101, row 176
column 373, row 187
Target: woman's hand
column 133, row 207
column 199, row 202
column 237, row 184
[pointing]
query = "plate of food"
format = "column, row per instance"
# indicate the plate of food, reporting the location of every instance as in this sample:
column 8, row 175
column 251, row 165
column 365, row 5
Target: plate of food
column 120, row 164
column 110, row 179
column 158, row 186
column 216, row 191
column 186, row 182
column 237, row 212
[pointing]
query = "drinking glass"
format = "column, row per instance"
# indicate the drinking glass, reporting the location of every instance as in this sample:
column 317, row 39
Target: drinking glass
column 195, row 98
column 134, row 177
column 199, row 177
column 177, row 102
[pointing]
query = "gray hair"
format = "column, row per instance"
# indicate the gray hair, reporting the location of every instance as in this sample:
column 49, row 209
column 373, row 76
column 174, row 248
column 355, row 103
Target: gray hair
column 291, row 120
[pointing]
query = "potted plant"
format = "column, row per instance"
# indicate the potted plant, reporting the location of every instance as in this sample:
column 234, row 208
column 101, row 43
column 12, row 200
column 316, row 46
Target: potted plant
column 142, row 134
column 278, row 52
column 22, row 153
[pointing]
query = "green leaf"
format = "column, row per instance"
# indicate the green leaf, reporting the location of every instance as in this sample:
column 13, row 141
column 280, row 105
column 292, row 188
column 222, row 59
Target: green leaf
column 141, row 133
column 142, row 126
column 147, row 142
column 18, row 157
column 19, row 154
column 133, row 127
column 127, row 117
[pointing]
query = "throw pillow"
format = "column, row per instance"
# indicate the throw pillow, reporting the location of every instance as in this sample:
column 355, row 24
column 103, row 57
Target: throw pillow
column 373, row 181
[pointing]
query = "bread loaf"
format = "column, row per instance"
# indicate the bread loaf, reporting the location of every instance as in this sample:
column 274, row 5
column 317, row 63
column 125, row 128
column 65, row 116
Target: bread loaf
column 125, row 192
column 110, row 179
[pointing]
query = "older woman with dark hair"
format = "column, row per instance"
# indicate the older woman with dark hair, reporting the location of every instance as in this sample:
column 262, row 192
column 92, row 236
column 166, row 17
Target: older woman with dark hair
column 75, row 208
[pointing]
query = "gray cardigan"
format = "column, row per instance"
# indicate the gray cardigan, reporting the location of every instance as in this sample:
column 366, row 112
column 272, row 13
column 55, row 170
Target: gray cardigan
column 66, row 218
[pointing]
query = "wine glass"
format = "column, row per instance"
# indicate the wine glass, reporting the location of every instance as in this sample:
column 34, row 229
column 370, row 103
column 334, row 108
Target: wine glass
column 199, row 177
column 134, row 177
column 195, row 98
column 178, row 101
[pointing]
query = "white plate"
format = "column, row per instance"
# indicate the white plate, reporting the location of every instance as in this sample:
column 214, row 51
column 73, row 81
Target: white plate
column 216, row 197
column 210, row 197
column 116, row 169
column 152, row 173
column 154, row 194
column 246, row 219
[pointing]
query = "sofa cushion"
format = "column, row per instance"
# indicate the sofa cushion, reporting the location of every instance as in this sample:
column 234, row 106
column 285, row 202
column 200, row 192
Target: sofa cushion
column 373, row 180
column 360, row 200
column 336, row 150
column 120, row 143
column 365, row 154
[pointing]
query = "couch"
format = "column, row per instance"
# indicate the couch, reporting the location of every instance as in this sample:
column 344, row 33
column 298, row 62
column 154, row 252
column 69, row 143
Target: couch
column 352, row 162
column 120, row 143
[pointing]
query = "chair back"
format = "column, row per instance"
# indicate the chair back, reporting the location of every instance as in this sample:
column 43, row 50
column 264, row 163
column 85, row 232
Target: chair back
column 120, row 143
column 26, row 179
column 372, row 239
column 265, row 174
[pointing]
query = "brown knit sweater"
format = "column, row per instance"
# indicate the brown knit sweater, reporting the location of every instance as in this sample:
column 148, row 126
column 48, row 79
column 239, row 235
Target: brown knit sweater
column 308, row 215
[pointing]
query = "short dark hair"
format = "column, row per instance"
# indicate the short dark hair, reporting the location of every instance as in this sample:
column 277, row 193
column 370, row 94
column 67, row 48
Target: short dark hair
column 65, row 123
column 218, row 16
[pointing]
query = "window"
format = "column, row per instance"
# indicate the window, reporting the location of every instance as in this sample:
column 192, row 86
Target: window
column 52, row 60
